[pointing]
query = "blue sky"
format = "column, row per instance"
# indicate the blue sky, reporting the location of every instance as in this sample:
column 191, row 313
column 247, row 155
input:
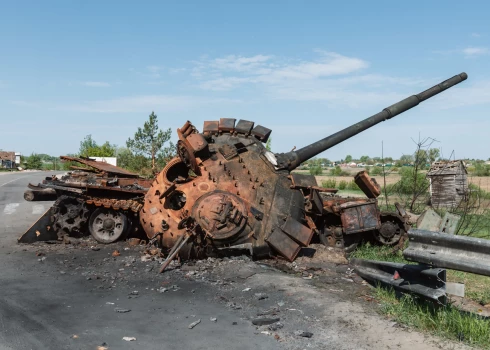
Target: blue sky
column 304, row 69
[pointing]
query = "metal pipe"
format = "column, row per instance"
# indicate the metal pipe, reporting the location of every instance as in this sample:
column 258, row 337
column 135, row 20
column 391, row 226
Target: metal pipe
column 292, row 160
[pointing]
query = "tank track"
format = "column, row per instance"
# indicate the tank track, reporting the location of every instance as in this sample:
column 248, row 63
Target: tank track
column 70, row 216
column 71, row 213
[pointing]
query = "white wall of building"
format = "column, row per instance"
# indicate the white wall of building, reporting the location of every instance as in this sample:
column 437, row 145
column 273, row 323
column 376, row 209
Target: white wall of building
column 108, row 160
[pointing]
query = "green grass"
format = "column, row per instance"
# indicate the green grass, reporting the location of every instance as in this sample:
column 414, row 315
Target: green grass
column 477, row 287
column 447, row 322
column 380, row 253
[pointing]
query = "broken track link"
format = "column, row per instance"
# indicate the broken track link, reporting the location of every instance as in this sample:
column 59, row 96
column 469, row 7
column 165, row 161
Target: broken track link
column 115, row 204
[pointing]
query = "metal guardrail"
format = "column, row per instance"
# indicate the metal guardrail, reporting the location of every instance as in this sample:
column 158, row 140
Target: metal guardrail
column 428, row 283
column 461, row 253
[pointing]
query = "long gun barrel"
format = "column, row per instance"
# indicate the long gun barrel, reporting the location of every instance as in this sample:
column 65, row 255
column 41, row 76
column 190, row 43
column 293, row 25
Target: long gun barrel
column 292, row 160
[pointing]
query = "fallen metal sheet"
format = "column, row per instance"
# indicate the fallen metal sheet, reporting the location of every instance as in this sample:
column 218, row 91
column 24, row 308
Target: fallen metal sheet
column 420, row 280
column 449, row 251
column 41, row 230
column 101, row 166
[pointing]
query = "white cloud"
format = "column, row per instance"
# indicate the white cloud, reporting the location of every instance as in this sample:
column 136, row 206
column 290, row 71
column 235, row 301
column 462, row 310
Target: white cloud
column 330, row 77
column 476, row 51
column 96, row 84
column 475, row 35
column 239, row 63
column 231, row 71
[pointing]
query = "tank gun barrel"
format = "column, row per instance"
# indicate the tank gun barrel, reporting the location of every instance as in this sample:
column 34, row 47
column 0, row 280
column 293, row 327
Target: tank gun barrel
column 293, row 159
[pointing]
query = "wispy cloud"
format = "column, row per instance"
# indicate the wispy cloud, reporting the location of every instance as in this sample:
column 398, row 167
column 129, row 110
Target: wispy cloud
column 475, row 35
column 154, row 71
column 143, row 103
column 475, row 51
column 96, row 84
column 231, row 71
column 329, row 77
column 468, row 52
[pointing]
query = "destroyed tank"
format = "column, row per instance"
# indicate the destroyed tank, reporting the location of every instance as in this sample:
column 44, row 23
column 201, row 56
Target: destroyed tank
column 225, row 191
column 94, row 196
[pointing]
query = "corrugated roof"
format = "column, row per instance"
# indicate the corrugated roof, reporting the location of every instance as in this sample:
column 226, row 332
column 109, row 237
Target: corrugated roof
column 7, row 155
column 453, row 167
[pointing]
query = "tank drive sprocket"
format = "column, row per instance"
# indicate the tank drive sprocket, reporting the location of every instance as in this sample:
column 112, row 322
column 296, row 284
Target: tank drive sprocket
column 393, row 227
column 70, row 216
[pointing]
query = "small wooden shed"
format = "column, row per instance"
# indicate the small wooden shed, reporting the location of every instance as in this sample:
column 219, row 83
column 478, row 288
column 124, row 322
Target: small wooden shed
column 448, row 183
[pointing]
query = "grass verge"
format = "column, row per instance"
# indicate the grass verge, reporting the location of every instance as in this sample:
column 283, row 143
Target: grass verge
column 447, row 322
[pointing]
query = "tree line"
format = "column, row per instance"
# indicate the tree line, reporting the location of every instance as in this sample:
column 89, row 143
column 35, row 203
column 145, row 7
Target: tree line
column 146, row 153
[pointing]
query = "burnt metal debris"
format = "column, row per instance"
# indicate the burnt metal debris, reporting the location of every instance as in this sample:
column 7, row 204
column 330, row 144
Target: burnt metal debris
column 226, row 191
column 102, row 198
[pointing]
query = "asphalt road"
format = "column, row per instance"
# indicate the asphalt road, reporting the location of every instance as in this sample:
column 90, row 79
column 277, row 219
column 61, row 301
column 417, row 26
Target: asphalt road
column 65, row 297
column 52, row 304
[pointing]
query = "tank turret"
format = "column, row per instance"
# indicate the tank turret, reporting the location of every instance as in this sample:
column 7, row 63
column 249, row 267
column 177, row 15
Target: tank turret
column 225, row 190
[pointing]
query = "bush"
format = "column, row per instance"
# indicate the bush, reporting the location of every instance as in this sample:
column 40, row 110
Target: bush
column 353, row 186
column 330, row 183
column 342, row 185
column 409, row 184
column 481, row 169
column 376, row 170
column 337, row 171
column 316, row 170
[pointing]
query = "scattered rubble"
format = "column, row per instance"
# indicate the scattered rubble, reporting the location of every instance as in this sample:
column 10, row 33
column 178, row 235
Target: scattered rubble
column 264, row 321
column 195, row 323
column 303, row 334
column 121, row 310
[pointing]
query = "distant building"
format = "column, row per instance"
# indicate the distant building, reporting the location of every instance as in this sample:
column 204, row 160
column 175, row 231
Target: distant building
column 448, row 183
column 108, row 160
column 9, row 159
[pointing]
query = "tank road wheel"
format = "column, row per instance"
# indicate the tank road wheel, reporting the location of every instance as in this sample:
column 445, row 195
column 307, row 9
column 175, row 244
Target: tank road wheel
column 334, row 237
column 392, row 229
column 107, row 225
column 70, row 216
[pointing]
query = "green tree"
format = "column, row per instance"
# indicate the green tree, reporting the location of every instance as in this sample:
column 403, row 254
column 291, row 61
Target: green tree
column 433, row 154
column 316, row 170
column 33, row 162
column 268, row 144
column 364, row 159
column 348, row 158
column 90, row 148
column 149, row 141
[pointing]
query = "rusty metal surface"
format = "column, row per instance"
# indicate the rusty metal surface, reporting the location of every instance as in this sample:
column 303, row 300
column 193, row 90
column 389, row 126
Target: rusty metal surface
column 244, row 126
column 227, row 125
column 261, row 133
column 211, row 127
column 284, row 245
column 359, row 217
column 116, row 204
column 101, row 166
column 368, row 185
column 297, row 231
